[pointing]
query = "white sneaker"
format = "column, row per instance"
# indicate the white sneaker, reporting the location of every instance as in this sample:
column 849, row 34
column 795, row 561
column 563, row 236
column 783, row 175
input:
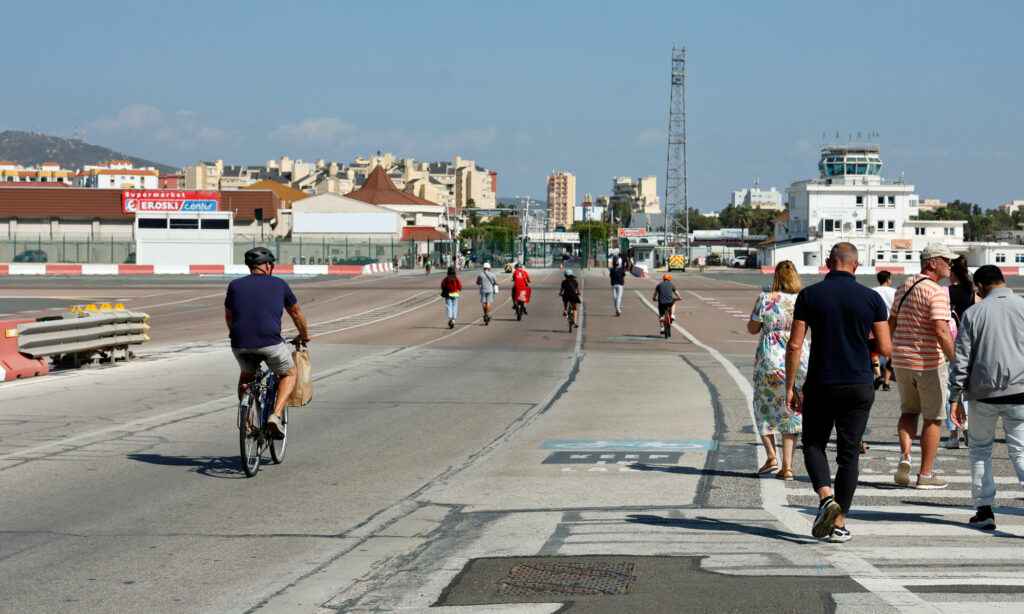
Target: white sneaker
column 953, row 442
column 902, row 476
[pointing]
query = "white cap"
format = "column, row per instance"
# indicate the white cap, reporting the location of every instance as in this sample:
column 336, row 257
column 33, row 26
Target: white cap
column 487, row 265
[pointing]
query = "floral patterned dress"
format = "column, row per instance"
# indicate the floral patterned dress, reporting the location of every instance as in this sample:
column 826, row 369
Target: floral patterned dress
column 774, row 310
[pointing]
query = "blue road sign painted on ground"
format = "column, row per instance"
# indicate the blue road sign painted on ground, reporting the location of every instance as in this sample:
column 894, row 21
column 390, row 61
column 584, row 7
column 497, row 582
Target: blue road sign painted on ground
column 613, row 445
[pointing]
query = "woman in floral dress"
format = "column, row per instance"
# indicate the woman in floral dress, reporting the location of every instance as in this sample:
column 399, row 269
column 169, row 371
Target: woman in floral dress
column 772, row 318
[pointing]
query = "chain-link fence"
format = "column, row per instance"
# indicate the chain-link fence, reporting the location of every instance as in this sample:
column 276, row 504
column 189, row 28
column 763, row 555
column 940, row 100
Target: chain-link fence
column 407, row 254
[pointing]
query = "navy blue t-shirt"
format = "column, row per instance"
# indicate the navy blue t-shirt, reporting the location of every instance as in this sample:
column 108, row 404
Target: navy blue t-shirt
column 256, row 303
column 617, row 275
column 840, row 313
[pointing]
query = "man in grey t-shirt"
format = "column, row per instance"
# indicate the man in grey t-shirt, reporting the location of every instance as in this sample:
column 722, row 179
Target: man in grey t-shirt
column 487, row 284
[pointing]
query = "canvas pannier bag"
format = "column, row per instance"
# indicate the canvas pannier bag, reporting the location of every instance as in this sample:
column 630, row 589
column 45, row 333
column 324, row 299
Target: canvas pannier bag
column 303, row 392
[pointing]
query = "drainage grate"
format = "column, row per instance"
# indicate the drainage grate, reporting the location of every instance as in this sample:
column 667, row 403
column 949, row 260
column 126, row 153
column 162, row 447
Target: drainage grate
column 527, row 580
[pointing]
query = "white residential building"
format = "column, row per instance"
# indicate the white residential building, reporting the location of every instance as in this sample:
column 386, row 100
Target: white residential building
column 120, row 175
column 757, row 198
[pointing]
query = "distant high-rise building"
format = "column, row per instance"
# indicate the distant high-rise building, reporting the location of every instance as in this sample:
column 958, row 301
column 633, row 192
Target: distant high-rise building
column 756, row 198
column 561, row 199
column 642, row 194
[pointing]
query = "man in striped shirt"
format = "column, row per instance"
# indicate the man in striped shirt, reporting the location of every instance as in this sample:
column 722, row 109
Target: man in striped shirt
column 921, row 345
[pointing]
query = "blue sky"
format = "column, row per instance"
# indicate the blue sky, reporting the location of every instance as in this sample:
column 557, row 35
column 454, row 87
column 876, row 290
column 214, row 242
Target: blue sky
column 527, row 87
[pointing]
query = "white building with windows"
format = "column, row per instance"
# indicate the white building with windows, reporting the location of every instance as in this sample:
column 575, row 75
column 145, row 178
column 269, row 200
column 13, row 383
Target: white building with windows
column 850, row 201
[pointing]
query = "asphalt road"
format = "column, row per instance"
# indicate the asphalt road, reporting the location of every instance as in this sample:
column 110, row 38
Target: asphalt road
column 428, row 452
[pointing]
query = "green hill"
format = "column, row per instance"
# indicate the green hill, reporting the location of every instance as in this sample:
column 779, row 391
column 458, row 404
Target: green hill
column 33, row 149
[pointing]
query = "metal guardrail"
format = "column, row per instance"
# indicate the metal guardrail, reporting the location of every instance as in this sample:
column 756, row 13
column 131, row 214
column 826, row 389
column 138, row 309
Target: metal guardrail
column 85, row 333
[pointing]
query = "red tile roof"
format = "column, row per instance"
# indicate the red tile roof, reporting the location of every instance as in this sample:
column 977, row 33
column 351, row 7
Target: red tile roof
column 380, row 190
column 423, row 233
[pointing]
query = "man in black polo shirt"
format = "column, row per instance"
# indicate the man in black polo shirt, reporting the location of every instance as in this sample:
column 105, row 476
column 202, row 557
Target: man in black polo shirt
column 839, row 389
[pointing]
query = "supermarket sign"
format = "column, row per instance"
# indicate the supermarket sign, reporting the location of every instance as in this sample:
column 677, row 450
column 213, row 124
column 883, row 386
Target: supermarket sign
column 147, row 201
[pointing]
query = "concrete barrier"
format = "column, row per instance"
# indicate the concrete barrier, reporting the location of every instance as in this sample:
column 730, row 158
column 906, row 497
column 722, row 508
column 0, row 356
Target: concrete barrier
column 13, row 363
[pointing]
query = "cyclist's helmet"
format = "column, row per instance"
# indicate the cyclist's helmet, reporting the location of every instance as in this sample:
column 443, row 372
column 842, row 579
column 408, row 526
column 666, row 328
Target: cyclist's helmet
column 518, row 265
column 568, row 272
column 667, row 277
column 257, row 256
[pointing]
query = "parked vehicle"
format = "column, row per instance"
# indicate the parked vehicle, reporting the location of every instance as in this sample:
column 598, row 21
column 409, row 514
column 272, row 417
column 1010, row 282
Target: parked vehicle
column 713, row 260
column 31, row 255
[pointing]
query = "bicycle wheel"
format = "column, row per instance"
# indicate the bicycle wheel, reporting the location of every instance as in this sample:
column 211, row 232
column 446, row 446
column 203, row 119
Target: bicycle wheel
column 519, row 311
column 278, row 446
column 248, row 436
column 668, row 325
column 569, row 313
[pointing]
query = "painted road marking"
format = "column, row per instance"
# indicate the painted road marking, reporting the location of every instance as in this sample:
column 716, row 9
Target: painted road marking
column 612, row 458
column 613, row 445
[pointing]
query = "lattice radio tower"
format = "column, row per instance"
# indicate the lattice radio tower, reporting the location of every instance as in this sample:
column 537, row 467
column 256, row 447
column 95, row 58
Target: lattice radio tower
column 676, row 189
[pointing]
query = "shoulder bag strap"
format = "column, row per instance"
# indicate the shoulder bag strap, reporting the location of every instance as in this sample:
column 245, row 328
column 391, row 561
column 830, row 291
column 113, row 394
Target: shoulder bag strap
column 905, row 295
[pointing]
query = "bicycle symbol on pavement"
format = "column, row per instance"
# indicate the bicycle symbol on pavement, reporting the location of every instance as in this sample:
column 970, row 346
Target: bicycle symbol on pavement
column 623, row 445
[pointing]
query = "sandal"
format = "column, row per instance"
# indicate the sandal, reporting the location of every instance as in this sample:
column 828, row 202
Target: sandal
column 785, row 475
column 769, row 466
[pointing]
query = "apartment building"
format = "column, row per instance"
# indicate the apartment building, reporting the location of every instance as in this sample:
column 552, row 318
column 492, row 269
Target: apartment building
column 49, row 172
column 452, row 184
column 120, row 175
column 642, row 194
column 561, row 199
column 756, row 198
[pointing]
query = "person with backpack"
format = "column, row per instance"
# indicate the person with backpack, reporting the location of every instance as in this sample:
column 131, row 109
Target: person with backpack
column 450, row 288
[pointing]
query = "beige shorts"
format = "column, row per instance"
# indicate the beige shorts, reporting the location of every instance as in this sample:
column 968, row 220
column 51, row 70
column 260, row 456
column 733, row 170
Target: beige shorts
column 923, row 391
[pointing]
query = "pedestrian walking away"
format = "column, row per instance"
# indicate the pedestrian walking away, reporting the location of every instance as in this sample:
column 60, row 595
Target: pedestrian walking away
column 617, row 275
column 988, row 369
column 883, row 370
column 488, row 286
column 962, row 294
column 921, row 344
column 450, row 288
column 838, row 391
column 772, row 318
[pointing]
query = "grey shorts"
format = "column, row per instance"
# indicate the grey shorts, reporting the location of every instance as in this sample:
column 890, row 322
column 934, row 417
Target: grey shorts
column 278, row 358
column 486, row 297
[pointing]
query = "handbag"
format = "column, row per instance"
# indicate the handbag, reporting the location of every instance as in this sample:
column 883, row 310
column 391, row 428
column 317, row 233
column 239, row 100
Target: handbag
column 303, row 392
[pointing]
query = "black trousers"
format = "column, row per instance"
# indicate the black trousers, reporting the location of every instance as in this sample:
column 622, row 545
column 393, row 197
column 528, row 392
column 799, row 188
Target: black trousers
column 844, row 407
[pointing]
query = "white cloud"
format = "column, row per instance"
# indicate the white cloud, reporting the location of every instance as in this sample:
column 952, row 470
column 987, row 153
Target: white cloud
column 133, row 118
column 651, row 137
column 322, row 130
column 803, row 146
column 522, row 138
column 150, row 123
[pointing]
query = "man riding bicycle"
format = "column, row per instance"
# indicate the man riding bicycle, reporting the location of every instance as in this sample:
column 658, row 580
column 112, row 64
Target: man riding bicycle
column 252, row 308
column 571, row 295
column 666, row 295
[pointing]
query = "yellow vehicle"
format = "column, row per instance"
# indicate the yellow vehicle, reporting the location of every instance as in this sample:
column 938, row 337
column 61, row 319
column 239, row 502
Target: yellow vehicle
column 677, row 262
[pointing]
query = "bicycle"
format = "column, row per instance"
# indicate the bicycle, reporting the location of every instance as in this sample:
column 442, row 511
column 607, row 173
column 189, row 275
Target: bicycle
column 666, row 322
column 570, row 313
column 259, row 396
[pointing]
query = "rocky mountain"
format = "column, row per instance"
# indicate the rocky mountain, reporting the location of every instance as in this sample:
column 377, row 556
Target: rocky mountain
column 33, row 149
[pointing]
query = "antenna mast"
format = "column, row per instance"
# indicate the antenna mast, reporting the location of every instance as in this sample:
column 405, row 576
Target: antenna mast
column 676, row 189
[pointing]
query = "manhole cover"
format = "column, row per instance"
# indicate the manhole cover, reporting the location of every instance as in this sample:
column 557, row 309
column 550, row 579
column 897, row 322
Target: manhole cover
column 531, row 579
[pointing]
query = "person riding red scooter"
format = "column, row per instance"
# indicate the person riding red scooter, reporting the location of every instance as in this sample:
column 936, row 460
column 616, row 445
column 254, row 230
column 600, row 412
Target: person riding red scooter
column 520, row 290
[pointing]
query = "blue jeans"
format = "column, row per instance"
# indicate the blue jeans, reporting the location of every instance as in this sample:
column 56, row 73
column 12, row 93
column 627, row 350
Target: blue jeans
column 451, row 305
column 949, row 423
column 617, row 296
column 983, row 432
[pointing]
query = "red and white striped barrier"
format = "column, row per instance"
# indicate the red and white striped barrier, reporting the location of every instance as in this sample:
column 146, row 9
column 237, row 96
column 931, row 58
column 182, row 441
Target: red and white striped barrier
column 188, row 269
column 871, row 270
